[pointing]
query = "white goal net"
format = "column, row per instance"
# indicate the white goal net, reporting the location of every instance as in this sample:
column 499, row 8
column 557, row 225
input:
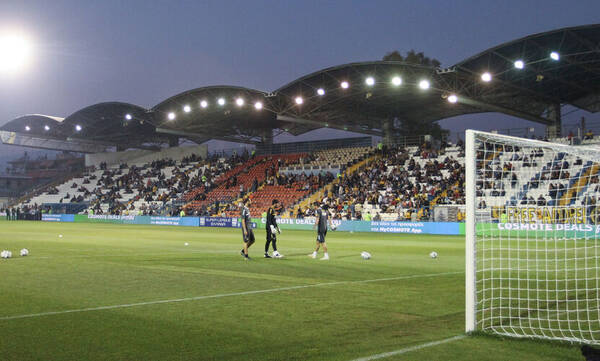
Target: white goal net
column 532, row 230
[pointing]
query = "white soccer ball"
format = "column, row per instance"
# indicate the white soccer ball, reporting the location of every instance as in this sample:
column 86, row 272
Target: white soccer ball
column 433, row 254
column 24, row 252
column 186, row 244
column 6, row 254
column 60, row 236
column 365, row 255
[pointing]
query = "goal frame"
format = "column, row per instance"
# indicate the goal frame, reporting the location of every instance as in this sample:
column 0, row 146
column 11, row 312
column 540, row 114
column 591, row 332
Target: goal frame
column 471, row 260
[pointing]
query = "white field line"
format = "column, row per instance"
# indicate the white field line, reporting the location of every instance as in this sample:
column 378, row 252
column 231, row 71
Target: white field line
column 244, row 293
column 409, row 349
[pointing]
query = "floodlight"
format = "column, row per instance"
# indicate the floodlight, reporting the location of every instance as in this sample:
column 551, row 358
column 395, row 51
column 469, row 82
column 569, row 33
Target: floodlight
column 344, row 85
column 299, row 100
column 171, row 116
column 203, row 103
column 397, row 80
column 221, row 101
column 519, row 64
column 128, row 116
column 27, row 128
column 239, row 102
column 452, row 98
column 370, row 81
column 554, row 56
column 258, row 105
column 78, row 128
column 46, row 128
column 424, row 84
column 321, row 91
column 187, row 108
column 486, row 77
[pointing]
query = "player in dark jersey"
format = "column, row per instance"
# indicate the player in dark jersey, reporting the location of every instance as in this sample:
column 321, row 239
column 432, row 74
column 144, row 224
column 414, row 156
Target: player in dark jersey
column 271, row 228
column 247, row 233
column 321, row 225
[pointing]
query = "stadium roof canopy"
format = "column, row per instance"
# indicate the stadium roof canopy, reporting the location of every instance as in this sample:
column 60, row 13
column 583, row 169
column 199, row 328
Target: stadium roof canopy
column 530, row 78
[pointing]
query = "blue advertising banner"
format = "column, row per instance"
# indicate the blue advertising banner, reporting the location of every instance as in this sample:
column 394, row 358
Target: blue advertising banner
column 174, row 221
column 58, row 217
column 447, row 228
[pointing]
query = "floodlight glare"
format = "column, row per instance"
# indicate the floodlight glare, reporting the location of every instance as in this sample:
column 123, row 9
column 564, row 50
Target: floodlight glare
column 27, row 128
column 78, row 127
column 221, row 101
column 239, row 102
column 397, row 80
column 46, row 128
column 370, row 81
column 258, row 105
column 203, row 103
column 344, row 85
column 519, row 64
column 554, row 56
column 15, row 53
column 187, row 108
column 321, row 91
column 128, row 116
column 486, row 77
column 424, row 84
column 171, row 116
column 452, row 98
column 299, row 100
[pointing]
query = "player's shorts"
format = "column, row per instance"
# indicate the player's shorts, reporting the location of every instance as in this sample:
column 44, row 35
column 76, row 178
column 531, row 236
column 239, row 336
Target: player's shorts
column 249, row 237
column 321, row 236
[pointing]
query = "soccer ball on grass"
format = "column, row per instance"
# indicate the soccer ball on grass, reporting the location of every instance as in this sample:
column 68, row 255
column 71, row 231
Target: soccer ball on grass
column 433, row 254
column 365, row 255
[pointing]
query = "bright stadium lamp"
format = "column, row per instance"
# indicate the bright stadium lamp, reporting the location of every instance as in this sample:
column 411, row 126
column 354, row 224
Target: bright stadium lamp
column 396, row 81
column 203, row 103
column 187, row 108
column 221, row 101
column 128, row 116
column 424, row 84
column 452, row 98
column 258, row 105
column 299, row 100
column 15, row 53
column 519, row 64
column 239, row 102
column 554, row 56
column 27, row 128
column 78, row 128
column 171, row 116
column 46, row 128
column 486, row 77
column 344, row 85
column 321, row 91
column 370, row 81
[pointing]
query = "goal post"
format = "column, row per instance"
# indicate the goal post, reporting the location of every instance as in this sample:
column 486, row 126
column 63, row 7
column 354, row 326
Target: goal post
column 532, row 238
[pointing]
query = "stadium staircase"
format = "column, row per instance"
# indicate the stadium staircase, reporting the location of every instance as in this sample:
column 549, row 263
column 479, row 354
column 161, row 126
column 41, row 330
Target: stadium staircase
column 578, row 184
column 328, row 188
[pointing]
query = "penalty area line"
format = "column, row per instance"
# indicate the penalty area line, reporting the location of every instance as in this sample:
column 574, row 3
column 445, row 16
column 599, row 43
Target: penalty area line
column 409, row 349
column 222, row 295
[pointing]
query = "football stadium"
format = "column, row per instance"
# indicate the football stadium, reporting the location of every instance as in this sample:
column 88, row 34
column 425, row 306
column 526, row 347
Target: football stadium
column 398, row 242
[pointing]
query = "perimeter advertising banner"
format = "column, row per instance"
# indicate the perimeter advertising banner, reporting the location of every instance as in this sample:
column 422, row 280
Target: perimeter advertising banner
column 539, row 230
column 58, row 217
column 156, row 220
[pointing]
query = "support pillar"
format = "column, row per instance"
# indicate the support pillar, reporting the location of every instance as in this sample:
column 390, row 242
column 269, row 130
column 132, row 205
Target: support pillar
column 554, row 114
column 388, row 133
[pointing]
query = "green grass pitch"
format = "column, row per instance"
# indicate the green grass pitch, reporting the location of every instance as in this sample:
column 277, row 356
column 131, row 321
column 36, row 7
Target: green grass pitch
column 96, row 294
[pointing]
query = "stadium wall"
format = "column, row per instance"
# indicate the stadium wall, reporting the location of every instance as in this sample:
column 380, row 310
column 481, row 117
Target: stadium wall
column 145, row 156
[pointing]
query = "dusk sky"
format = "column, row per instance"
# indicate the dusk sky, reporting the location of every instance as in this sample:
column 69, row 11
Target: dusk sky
column 142, row 52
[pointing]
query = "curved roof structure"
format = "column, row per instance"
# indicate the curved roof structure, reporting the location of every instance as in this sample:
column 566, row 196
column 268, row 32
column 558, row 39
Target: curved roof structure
column 531, row 78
